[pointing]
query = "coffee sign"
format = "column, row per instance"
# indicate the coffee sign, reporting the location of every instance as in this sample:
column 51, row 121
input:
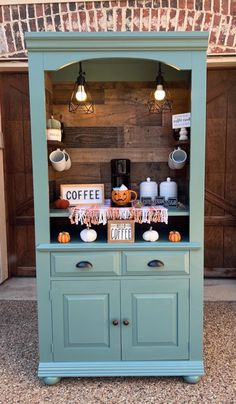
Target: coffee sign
column 120, row 231
column 181, row 120
column 83, row 194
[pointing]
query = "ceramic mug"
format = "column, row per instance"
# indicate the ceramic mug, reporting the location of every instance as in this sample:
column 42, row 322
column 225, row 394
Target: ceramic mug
column 122, row 198
column 68, row 160
column 170, row 161
column 177, row 159
column 58, row 160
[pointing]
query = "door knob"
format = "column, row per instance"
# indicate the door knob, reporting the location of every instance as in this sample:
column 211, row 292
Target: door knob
column 126, row 322
column 115, row 322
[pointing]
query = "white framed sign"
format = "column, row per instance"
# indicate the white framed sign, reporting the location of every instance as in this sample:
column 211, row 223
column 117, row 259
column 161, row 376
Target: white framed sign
column 181, row 120
column 83, row 194
column 120, row 231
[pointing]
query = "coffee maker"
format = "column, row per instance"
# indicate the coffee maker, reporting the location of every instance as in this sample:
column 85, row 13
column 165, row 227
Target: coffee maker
column 120, row 173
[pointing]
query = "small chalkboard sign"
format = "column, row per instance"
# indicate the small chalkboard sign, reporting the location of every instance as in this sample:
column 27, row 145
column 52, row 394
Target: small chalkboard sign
column 146, row 200
column 159, row 201
column 172, row 202
column 120, row 231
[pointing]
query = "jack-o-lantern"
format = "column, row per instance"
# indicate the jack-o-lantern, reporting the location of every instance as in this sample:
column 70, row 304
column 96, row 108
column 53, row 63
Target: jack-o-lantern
column 123, row 197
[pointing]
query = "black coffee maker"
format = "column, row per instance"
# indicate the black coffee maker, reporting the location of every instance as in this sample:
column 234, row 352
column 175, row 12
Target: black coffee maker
column 120, row 173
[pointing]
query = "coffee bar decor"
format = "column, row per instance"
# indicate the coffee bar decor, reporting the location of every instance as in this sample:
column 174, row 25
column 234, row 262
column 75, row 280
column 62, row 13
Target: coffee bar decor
column 102, row 214
column 83, row 194
column 120, row 231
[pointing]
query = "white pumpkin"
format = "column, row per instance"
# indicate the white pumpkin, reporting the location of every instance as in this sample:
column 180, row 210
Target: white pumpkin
column 88, row 235
column 150, row 235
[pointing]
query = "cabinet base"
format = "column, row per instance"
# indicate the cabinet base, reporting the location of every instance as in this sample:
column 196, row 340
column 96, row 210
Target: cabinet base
column 55, row 370
column 51, row 380
column 192, row 379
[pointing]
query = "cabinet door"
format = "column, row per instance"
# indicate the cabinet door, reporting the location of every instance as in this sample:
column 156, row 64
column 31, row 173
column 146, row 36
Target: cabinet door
column 83, row 314
column 158, row 315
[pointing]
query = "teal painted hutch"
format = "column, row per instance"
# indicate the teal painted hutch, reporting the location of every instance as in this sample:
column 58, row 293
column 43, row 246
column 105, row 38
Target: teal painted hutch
column 122, row 318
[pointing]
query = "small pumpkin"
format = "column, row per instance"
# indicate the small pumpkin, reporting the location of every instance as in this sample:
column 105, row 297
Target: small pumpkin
column 63, row 237
column 150, row 235
column 88, row 235
column 53, row 123
column 61, row 203
column 174, row 236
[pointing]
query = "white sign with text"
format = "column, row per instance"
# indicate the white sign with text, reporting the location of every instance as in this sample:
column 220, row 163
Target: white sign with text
column 181, row 120
column 83, row 194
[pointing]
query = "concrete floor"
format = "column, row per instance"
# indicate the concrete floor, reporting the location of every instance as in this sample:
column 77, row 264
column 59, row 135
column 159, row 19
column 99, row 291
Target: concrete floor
column 25, row 289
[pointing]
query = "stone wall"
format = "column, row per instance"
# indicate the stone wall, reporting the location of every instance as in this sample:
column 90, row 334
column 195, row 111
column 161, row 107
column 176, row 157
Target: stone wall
column 216, row 16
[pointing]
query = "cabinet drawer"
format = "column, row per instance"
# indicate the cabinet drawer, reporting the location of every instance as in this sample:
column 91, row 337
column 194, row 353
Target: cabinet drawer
column 156, row 262
column 85, row 264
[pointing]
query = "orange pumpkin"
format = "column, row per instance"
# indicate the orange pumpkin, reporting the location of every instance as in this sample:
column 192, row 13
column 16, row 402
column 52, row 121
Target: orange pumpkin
column 122, row 198
column 63, row 237
column 61, row 203
column 174, row 236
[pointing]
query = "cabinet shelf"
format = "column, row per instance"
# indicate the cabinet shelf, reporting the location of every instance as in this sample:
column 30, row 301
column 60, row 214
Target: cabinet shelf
column 103, row 245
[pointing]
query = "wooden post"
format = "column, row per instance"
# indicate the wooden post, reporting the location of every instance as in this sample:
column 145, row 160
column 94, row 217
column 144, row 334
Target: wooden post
column 3, row 229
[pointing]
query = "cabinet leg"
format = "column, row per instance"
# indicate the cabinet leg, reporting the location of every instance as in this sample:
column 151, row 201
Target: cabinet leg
column 51, row 380
column 192, row 379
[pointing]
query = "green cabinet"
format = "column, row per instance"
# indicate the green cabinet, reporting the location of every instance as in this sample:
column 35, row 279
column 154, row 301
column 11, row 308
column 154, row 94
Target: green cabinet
column 114, row 320
column 83, row 314
column 158, row 314
column 105, row 309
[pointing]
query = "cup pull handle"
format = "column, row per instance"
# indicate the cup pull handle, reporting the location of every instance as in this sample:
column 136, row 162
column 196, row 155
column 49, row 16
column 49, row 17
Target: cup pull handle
column 84, row 265
column 156, row 264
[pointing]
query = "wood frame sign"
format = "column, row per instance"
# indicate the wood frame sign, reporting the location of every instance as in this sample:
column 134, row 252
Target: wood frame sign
column 83, row 194
column 120, row 231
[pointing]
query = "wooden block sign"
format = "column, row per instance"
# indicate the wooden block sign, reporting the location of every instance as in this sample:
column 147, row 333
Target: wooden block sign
column 83, row 194
column 120, row 231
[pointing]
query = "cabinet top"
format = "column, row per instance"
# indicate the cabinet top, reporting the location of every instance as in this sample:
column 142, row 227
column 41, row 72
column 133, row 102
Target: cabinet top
column 69, row 41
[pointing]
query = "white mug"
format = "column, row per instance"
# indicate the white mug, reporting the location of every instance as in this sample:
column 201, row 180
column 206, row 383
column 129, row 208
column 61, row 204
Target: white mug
column 58, row 160
column 179, row 158
column 170, row 161
column 68, row 160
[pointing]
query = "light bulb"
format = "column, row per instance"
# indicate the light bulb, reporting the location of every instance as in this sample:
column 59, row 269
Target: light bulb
column 81, row 94
column 160, row 93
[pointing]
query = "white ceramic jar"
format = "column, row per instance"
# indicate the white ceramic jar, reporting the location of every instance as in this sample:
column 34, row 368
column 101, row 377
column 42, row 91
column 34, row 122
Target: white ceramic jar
column 148, row 189
column 168, row 189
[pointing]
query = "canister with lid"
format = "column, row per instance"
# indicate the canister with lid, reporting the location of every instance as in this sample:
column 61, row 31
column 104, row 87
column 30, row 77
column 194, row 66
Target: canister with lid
column 149, row 189
column 168, row 189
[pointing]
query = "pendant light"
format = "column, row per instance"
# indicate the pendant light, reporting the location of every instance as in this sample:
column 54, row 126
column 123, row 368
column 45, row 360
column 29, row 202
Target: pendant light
column 159, row 100
column 80, row 100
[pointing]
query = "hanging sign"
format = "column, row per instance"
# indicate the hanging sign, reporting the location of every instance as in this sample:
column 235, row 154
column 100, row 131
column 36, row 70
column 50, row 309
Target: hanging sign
column 181, row 120
column 83, row 194
column 120, row 231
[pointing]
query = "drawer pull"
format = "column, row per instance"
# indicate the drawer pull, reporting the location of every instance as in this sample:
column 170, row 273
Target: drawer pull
column 115, row 322
column 156, row 264
column 126, row 322
column 84, row 265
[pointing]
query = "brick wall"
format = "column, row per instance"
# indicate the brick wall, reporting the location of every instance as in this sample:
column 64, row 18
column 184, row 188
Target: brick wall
column 216, row 16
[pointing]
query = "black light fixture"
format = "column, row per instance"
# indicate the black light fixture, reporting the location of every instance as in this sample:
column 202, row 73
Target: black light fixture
column 159, row 100
column 81, row 100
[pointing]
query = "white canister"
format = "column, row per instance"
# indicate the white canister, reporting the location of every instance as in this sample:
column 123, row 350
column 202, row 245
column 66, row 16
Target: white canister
column 148, row 189
column 168, row 189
